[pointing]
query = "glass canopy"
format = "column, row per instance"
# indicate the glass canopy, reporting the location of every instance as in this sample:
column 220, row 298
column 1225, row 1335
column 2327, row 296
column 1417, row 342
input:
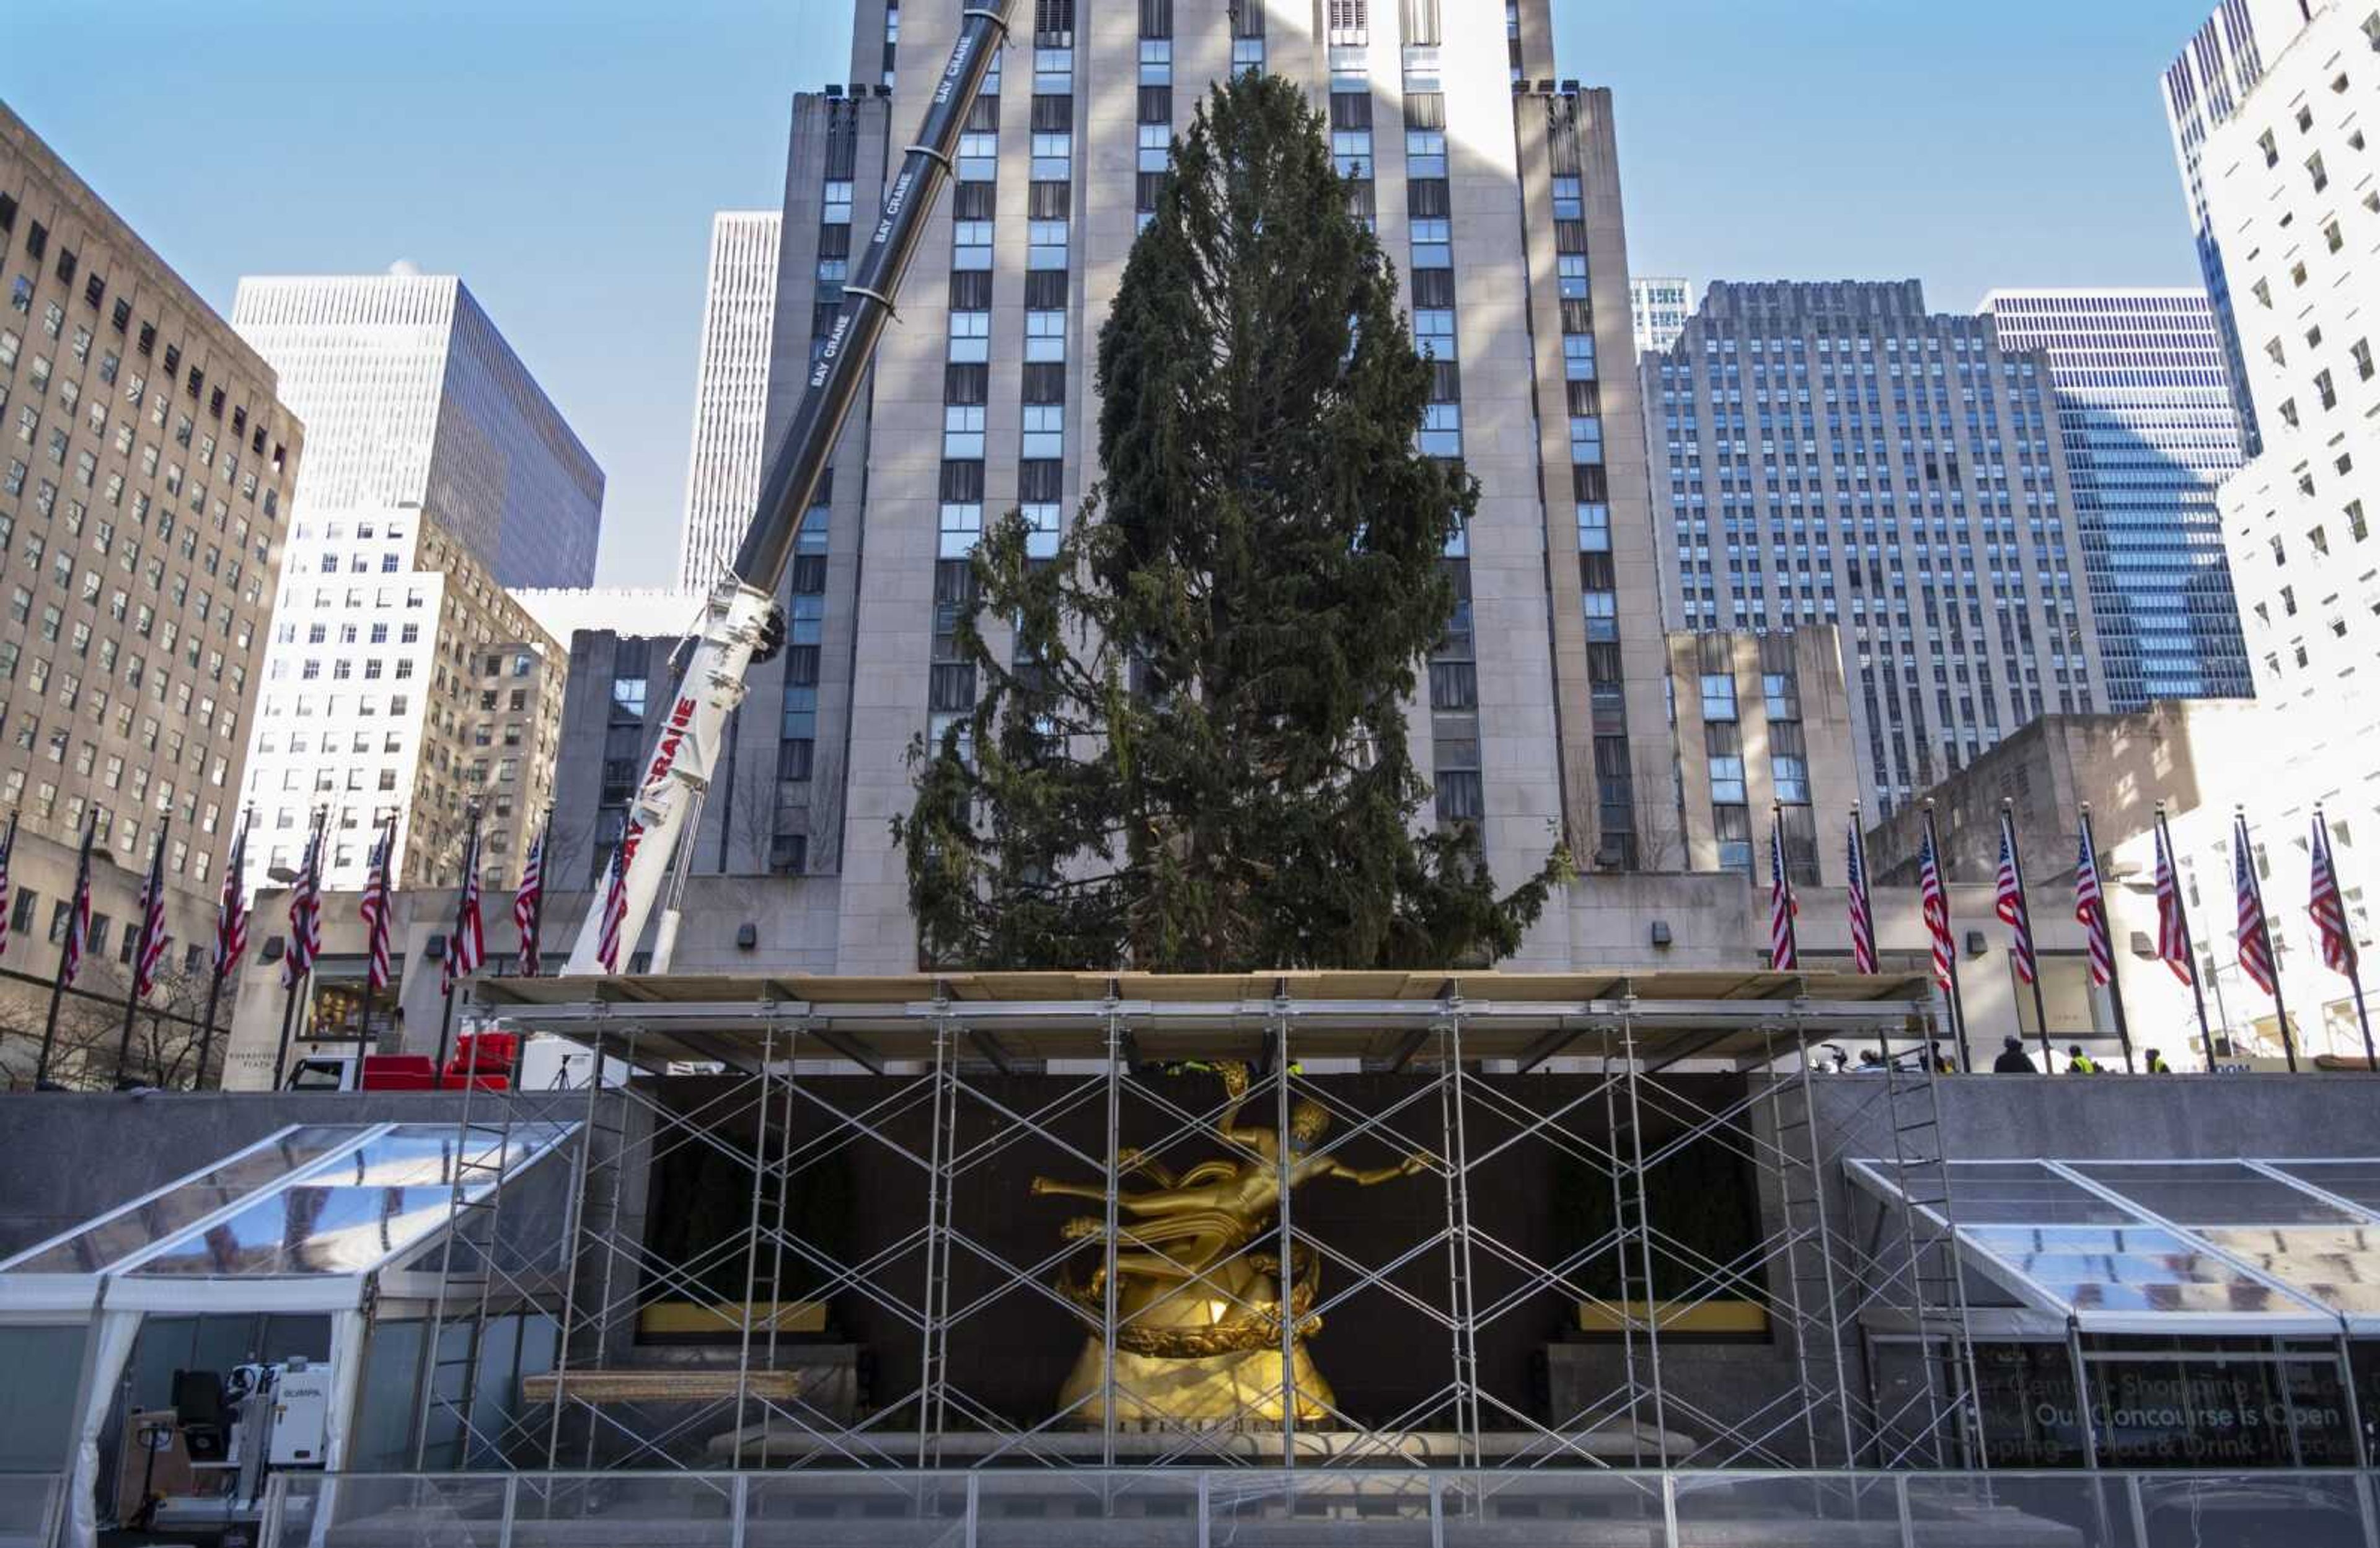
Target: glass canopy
column 2210, row 1246
column 317, row 1200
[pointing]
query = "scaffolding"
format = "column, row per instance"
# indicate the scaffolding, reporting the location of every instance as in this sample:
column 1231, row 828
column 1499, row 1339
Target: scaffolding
column 1598, row 1101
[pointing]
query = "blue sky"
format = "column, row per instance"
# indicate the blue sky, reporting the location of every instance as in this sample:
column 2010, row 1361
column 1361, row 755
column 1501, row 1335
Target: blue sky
column 564, row 156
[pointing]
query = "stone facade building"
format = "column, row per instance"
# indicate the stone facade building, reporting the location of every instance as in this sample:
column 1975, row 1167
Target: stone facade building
column 1493, row 189
column 146, row 471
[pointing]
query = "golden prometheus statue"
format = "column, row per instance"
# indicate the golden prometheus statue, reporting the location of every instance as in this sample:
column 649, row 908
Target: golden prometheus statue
column 1198, row 1321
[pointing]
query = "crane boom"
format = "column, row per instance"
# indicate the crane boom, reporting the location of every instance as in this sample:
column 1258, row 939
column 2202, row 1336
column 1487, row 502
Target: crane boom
column 741, row 610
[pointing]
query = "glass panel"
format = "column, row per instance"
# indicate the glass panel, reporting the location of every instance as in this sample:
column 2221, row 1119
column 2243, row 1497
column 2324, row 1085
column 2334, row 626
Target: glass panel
column 2246, row 1510
column 638, row 1509
column 113, row 1241
column 2211, row 1194
column 2338, row 1266
column 29, row 1507
column 45, row 1366
column 307, row 1229
column 2356, row 1181
column 1736, row 1509
column 422, row 1155
column 2128, row 1268
column 1033, row 1507
column 450, row 1511
column 2029, row 1194
column 2095, row 1510
column 1553, row 1503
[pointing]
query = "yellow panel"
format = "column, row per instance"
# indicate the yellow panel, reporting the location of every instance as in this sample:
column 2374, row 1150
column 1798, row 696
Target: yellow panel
column 1709, row 1317
column 678, row 1317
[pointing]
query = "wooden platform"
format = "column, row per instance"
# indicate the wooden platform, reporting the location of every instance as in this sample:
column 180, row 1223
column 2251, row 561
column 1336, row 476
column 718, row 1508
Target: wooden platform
column 660, row 1386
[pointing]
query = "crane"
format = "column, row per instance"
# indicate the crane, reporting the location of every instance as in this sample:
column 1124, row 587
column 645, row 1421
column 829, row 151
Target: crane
column 741, row 621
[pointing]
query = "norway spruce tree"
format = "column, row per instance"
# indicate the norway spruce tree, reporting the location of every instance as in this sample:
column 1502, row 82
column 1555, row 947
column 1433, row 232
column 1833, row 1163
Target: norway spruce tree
column 1188, row 748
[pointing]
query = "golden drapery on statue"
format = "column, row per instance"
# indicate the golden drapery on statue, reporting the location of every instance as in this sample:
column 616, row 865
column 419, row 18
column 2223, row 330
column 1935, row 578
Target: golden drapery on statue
column 1198, row 1321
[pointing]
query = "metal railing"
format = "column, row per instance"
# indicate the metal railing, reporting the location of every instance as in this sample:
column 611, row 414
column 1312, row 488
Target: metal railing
column 1251, row 1509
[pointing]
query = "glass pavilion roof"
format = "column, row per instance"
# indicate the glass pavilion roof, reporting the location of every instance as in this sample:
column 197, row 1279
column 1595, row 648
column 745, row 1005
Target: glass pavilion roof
column 2209, row 1247
column 314, row 1199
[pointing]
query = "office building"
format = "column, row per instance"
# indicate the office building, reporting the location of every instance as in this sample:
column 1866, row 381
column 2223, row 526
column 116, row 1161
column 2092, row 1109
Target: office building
column 2293, row 204
column 445, row 476
column 983, row 400
column 1836, row 453
column 2144, row 407
column 1660, row 308
column 145, row 484
column 731, row 393
column 2203, row 87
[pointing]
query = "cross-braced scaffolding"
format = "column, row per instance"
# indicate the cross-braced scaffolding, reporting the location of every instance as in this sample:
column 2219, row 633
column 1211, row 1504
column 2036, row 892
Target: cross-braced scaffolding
column 1562, row 1220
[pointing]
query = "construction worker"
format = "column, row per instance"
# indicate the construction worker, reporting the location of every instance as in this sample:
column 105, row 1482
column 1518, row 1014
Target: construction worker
column 1942, row 1065
column 2157, row 1064
column 2013, row 1059
column 2078, row 1062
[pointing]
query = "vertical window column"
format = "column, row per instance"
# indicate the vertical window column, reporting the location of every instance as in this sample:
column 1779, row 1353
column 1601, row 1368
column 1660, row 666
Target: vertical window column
column 1789, row 756
column 1247, row 35
column 1590, row 493
column 1154, row 118
column 1459, row 789
column 950, row 691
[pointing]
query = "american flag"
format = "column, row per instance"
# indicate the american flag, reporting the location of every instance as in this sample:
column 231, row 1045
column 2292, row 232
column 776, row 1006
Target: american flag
column 2255, row 944
column 230, row 909
column 1862, row 916
column 7, row 854
column 1782, row 957
column 529, row 903
column 2009, row 905
column 376, row 911
column 615, row 910
column 78, row 917
column 153, row 938
column 2173, row 929
column 1935, row 903
column 469, row 947
column 2091, row 909
column 305, row 913
column 2327, row 905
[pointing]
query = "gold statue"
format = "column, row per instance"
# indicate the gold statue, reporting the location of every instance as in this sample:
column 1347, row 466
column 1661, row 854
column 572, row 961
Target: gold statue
column 1197, row 1321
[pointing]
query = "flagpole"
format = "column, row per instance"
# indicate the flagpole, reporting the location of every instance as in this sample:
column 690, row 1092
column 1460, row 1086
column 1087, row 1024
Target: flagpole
column 2181, row 914
column 446, row 1014
column 140, row 949
column 298, row 982
column 1957, row 1001
column 215, row 980
column 385, row 852
column 2246, row 856
column 2106, row 928
column 2024, row 907
column 2354, row 969
column 58, row 980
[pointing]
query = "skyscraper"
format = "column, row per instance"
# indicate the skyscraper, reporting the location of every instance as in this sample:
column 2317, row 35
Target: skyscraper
column 2144, row 407
column 1660, row 308
column 1485, row 182
column 2203, row 85
column 401, row 678
column 731, row 392
column 1836, row 453
column 2293, row 202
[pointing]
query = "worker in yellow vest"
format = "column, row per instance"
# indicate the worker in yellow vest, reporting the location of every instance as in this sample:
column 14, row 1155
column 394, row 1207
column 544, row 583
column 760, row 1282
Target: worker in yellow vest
column 2078, row 1062
column 2157, row 1064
